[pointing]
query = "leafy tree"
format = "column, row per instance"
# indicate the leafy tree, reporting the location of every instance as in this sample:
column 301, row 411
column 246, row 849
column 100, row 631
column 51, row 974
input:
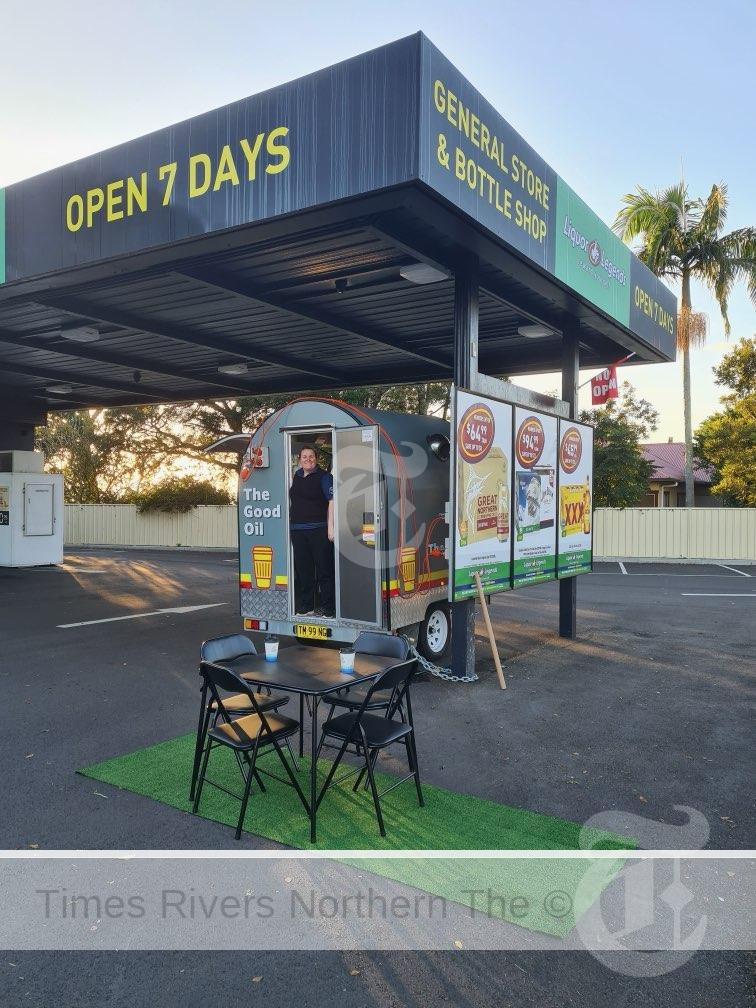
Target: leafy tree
column 110, row 455
column 99, row 453
column 737, row 370
column 620, row 472
column 185, row 430
column 727, row 440
column 180, row 494
column 682, row 238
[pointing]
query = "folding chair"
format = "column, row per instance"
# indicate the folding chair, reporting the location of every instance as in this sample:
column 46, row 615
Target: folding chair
column 370, row 734
column 221, row 649
column 371, row 643
column 246, row 736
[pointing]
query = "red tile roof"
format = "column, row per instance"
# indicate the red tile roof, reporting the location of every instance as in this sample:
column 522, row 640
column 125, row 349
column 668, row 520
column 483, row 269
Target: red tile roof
column 668, row 459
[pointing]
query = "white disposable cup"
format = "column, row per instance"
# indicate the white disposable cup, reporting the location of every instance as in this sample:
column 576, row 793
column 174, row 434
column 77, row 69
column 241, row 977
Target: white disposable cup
column 271, row 650
column 347, row 661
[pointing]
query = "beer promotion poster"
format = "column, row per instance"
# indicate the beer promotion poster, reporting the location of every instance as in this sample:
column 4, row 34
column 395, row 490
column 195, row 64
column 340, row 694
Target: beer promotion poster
column 575, row 532
column 482, row 526
column 535, row 496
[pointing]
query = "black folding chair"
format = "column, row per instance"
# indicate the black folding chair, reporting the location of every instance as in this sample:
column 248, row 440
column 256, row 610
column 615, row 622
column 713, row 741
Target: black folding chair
column 372, row 643
column 248, row 737
column 221, row 649
column 369, row 734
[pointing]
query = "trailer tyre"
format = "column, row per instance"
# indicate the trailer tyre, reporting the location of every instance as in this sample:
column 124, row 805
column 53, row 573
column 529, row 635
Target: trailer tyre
column 434, row 638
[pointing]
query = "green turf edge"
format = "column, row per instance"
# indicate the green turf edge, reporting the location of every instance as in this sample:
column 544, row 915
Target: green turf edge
column 510, row 878
column 549, row 830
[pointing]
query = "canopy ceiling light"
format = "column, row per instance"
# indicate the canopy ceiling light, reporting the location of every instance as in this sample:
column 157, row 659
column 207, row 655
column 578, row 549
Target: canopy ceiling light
column 60, row 389
column 534, row 331
column 81, row 334
column 422, row 273
column 234, row 369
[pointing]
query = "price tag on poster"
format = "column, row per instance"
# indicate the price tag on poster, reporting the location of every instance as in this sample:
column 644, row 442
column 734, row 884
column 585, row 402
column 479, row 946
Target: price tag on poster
column 575, row 539
column 483, row 514
column 535, row 490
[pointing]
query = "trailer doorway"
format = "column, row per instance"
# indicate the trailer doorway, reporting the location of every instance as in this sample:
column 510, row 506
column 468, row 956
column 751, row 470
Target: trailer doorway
column 351, row 456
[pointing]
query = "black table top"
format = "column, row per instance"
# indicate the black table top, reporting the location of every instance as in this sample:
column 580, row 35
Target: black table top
column 311, row 670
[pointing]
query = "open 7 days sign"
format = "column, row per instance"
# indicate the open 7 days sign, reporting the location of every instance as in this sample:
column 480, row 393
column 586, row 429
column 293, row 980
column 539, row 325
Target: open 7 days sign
column 521, row 496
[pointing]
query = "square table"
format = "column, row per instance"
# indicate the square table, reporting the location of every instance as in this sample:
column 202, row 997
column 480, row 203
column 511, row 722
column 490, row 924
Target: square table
column 312, row 672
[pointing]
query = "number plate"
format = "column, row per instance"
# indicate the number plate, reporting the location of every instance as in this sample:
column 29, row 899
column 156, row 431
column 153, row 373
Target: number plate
column 312, row 631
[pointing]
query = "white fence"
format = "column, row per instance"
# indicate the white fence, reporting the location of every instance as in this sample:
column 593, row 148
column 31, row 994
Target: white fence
column 676, row 533
column 650, row 533
column 206, row 527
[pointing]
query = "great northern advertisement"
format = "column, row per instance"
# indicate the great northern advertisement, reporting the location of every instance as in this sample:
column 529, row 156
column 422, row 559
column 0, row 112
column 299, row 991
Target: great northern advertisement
column 483, row 519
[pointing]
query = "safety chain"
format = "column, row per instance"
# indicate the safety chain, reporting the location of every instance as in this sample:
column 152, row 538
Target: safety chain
column 435, row 670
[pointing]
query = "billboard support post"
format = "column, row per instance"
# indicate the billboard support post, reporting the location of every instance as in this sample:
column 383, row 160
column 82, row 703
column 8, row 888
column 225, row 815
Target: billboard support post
column 466, row 293
column 570, row 382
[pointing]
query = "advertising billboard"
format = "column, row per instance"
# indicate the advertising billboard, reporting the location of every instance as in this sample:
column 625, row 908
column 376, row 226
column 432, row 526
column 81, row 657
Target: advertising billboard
column 535, row 496
column 575, row 538
column 482, row 526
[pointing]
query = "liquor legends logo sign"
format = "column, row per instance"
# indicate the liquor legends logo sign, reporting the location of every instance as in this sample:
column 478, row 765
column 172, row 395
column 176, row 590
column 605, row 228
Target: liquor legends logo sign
column 570, row 450
column 475, row 433
column 530, row 441
column 594, row 252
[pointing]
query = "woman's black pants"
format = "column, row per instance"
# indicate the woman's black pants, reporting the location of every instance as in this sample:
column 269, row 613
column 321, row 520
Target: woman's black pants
column 313, row 567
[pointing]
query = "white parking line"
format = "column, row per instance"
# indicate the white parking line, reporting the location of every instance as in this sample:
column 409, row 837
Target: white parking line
column 728, row 577
column 622, row 567
column 141, row 615
column 719, row 594
column 742, row 573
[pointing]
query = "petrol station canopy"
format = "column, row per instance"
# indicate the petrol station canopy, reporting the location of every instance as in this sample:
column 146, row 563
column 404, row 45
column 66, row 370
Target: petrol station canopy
column 311, row 233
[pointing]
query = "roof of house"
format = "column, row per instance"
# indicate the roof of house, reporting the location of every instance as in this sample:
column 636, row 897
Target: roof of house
column 668, row 459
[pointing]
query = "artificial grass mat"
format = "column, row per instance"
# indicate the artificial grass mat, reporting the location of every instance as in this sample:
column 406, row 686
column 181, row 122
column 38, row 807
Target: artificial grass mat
column 346, row 821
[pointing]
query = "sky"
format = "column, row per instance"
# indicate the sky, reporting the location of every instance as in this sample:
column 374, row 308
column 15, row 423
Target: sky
column 611, row 96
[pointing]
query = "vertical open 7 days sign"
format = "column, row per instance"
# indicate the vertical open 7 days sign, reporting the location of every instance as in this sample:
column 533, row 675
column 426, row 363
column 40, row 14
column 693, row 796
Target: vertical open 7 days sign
column 521, row 496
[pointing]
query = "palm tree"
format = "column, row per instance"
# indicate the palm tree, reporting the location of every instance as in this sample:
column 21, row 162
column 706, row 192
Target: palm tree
column 682, row 238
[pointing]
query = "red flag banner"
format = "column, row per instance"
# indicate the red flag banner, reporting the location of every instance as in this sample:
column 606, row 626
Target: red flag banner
column 604, row 386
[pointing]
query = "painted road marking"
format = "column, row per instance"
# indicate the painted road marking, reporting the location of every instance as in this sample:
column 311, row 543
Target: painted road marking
column 726, row 577
column 742, row 573
column 141, row 615
column 719, row 594
column 622, row 567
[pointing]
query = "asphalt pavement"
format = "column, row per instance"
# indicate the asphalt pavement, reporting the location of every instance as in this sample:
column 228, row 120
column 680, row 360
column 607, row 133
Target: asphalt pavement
column 650, row 708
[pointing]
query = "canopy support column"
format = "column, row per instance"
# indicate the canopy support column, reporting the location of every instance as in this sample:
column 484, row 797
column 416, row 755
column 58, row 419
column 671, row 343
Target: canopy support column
column 18, row 420
column 466, row 294
column 570, row 382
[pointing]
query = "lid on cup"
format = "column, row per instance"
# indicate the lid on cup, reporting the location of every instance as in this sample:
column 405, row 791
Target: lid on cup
column 270, row 638
column 349, row 649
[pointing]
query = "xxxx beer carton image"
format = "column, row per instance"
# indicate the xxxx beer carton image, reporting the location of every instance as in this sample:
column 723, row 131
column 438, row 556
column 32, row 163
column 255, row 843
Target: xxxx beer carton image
column 574, row 509
column 575, row 540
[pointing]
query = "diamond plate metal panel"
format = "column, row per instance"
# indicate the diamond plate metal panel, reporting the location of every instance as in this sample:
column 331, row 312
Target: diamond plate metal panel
column 267, row 604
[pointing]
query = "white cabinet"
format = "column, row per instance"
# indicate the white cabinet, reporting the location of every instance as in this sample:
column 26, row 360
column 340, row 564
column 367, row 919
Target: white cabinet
column 31, row 519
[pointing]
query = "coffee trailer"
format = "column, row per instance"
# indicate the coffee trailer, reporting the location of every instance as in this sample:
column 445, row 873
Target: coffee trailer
column 391, row 485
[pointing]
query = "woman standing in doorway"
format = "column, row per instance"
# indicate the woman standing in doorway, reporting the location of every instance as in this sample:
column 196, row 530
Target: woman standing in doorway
column 311, row 527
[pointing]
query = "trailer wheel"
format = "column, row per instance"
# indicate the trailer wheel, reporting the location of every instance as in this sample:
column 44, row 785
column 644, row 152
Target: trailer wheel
column 434, row 638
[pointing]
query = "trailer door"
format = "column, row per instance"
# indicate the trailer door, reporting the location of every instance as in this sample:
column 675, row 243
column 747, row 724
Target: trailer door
column 357, row 525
